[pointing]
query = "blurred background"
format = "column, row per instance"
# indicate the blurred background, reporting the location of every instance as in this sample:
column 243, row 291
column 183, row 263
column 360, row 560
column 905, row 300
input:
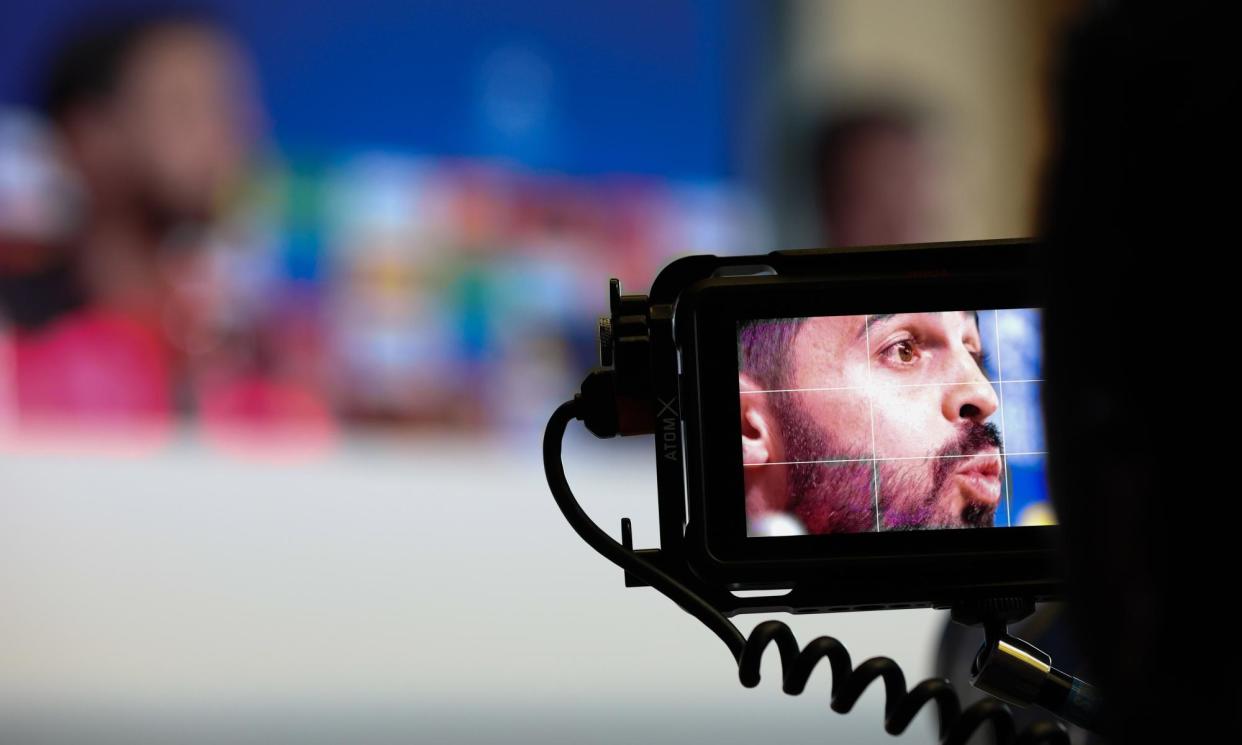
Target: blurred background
column 288, row 290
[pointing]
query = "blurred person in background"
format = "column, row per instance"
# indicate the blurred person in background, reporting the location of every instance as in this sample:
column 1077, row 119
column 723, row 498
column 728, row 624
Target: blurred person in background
column 876, row 176
column 156, row 123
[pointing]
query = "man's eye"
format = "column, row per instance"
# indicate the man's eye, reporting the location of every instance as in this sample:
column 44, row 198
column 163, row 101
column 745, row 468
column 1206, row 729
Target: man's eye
column 903, row 352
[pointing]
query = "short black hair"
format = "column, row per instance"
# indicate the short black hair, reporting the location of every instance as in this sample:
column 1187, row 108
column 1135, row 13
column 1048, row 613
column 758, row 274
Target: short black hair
column 764, row 348
column 87, row 64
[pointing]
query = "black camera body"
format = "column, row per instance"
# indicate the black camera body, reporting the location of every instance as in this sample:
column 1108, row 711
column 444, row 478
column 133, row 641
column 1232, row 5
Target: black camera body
column 669, row 367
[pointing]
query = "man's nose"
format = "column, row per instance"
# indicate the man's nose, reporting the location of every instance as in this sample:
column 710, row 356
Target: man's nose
column 969, row 395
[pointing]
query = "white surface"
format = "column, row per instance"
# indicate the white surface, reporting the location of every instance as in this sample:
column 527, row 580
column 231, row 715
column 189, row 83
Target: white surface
column 386, row 591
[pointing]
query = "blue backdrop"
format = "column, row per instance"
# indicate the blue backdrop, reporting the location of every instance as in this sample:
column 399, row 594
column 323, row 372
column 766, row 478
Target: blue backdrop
column 641, row 86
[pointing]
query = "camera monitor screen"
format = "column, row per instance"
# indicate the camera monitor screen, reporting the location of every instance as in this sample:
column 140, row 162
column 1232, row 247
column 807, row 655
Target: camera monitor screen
column 889, row 422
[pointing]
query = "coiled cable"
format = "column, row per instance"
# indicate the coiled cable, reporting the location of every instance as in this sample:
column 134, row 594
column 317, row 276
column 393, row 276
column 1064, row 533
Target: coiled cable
column 797, row 664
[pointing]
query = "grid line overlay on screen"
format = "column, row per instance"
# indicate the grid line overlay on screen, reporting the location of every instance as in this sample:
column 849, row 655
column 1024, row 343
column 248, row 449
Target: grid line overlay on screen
column 1000, row 390
column 875, row 460
column 875, row 467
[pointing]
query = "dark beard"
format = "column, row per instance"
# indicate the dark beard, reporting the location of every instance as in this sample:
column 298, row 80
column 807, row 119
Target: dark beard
column 833, row 497
column 974, row 438
column 840, row 497
column 826, row 497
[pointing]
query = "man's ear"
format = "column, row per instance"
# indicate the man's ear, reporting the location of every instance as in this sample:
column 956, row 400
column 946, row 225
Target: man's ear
column 758, row 430
column 765, row 484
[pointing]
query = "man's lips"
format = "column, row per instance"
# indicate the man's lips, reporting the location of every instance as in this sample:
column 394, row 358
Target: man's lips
column 979, row 477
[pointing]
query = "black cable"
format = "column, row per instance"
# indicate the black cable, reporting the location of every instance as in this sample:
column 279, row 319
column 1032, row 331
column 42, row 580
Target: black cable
column 612, row 550
column 848, row 683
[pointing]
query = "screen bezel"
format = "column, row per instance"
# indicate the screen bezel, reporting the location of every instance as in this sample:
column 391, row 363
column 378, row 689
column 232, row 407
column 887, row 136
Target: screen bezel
column 707, row 322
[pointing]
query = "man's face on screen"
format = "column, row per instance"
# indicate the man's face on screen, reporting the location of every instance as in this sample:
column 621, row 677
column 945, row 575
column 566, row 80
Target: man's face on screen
column 908, row 388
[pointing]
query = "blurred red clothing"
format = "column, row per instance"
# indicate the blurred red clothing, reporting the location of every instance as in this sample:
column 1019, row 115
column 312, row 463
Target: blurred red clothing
column 92, row 366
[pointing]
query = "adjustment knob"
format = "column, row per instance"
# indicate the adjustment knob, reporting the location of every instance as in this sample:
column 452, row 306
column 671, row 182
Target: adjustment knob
column 605, row 341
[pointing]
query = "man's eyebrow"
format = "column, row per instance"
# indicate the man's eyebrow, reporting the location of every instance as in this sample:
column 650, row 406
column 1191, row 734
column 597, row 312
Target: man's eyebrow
column 873, row 320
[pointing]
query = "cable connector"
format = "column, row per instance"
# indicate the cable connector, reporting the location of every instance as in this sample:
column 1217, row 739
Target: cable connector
column 597, row 403
column 1019, row 673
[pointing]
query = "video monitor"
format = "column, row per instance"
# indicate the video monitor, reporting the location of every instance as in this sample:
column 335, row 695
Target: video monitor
column 892, row 422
